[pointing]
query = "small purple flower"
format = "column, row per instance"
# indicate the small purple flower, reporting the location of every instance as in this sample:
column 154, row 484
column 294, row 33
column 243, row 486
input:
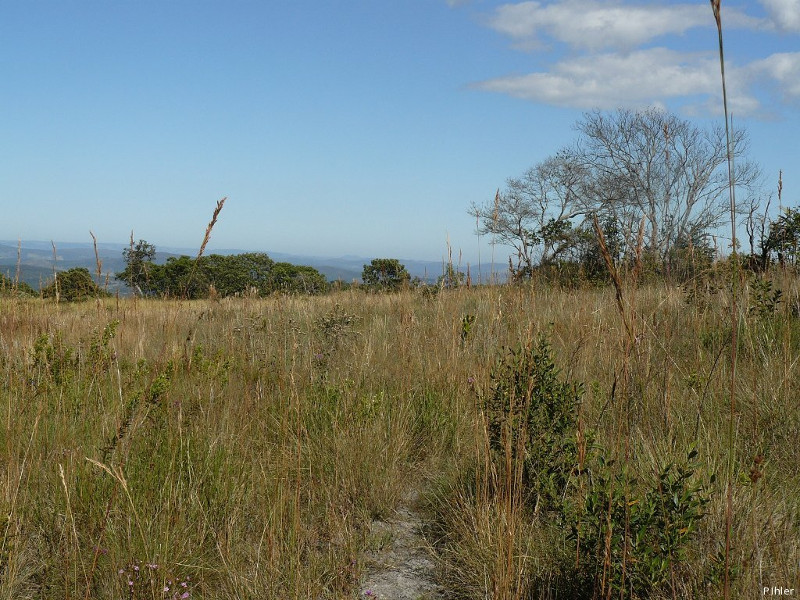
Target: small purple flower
column 370, row 594
column 184, row 595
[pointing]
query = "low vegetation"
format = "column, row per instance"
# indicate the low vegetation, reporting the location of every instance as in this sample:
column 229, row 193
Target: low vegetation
column 12, row 287
column 239, row 448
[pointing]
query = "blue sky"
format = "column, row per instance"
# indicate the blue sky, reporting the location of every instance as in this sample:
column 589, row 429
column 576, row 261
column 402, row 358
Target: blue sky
column 356, row 127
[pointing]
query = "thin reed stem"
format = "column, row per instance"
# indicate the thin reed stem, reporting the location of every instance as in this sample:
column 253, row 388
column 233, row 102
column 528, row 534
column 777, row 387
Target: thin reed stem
column 206, row 237
column 715, row 6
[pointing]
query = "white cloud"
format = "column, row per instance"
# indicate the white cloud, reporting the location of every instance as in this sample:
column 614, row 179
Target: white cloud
column 782, row 69
column 598, row 24
column 610, row 67
column 784, row 14
column 652, row 77
column 639, row 78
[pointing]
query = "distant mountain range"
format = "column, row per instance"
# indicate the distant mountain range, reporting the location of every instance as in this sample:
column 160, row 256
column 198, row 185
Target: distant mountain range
column 36, row 262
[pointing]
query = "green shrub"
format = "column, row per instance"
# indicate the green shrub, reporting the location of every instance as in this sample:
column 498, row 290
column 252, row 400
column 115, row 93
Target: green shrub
column 532, row 415
column 636, row 539
column 74, row 285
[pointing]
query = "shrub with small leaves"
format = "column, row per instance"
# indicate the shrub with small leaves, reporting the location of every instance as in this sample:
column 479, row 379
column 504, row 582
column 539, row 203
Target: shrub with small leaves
column 635, row 539
column 533, row 413
column 54, row 361
column 74, row 285
column 764, row 299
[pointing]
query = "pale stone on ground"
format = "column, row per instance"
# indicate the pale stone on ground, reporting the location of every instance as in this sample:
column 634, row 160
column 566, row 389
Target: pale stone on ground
column 398, row 563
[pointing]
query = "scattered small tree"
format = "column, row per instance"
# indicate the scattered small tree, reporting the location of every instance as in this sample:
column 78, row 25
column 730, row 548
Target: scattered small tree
column 535, row 213
column 784, row 237
column 653, row 164
column 139, row 267
column 74, row 285
column 385, row 274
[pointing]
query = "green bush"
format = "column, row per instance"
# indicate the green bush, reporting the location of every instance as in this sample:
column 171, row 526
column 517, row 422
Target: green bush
column 386, row 274
column 633, row 539
column 9, row 286
column 74, row 285
column 532, row 414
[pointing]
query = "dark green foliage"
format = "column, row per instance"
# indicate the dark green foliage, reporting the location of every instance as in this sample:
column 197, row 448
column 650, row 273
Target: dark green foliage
column 74, row 285
column 385, row 274
column 216, row 274
column 627, row 537
column 764, row 299
column 287, row 278
column 177, row 279
column 632, row 539
column 139, row 265
column 690, row 258
column 532, row 413
column 237, row 273
column 589, row 254
column 784, row 237
column 9, row 287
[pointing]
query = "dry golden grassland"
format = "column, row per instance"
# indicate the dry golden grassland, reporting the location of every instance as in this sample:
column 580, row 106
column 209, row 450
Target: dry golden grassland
column 240, row 448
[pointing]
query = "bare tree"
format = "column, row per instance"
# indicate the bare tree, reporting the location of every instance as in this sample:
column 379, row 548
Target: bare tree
column 757, row 225
column 535, row 214
column 652, row 163
column 637, row 170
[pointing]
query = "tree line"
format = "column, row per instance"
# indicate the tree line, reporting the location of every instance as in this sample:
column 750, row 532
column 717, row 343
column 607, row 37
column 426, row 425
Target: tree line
column 247, row 274
column 216, row 274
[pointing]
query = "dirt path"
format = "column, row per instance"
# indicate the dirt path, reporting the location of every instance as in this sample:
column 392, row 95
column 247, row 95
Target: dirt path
column 398, row 564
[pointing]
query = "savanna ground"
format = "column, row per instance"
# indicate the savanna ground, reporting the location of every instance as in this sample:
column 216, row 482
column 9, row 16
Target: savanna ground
column 241, row 448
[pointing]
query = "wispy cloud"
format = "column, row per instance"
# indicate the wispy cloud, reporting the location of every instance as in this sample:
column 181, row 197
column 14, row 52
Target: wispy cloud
column 784, row 14
column 782, row 69
column 610, row 63
column 595, row 25
column 612, row 80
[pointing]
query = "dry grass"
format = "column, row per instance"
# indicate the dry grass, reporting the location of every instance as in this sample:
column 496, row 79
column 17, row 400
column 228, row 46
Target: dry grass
column 244, row 445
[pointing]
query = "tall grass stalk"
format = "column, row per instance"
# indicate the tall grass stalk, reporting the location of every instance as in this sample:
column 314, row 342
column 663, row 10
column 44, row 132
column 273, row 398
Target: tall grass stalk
column 715, row 6
column 206, row 238
column 98, row 263
column 55, row 271
column 19, row 264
